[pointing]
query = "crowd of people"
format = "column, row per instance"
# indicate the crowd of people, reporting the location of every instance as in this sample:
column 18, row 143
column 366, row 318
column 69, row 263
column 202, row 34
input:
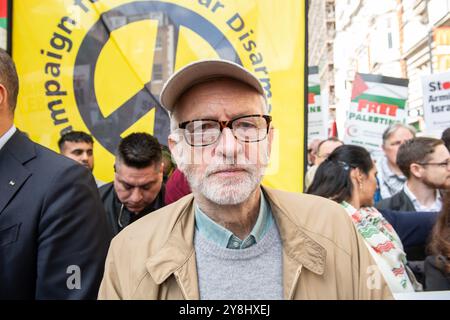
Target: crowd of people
column 191, row 220
column 400, row 197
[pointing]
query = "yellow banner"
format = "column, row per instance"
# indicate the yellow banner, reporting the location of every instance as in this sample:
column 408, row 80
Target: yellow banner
column 99, row 65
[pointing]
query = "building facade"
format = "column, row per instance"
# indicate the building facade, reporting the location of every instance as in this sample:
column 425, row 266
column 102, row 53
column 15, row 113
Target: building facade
column 321, row 33
column 395, row 38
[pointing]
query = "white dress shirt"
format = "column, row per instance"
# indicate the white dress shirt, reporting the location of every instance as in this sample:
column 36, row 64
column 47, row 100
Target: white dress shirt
column 435, row 207
column 8, row 134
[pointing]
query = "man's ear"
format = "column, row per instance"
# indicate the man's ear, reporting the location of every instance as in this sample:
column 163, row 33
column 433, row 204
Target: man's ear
column 3, row 97
column 416, row 170
column 174, row 148
column 270, row 137
column 171, row 142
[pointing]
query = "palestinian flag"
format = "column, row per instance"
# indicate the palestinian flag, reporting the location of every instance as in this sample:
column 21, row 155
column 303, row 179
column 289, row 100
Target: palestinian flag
column 375, row 88
column 3, row 14
column 315, row 111
column 376, row 102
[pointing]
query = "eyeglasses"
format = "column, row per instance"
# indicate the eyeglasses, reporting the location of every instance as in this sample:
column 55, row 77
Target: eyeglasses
column 444, row 164
column 204, row 132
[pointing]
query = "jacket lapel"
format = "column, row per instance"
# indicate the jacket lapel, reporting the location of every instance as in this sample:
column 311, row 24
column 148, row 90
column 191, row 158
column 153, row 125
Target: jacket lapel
column 17, row 151
column 405, row 202
column 299, row 250
column 177, row 256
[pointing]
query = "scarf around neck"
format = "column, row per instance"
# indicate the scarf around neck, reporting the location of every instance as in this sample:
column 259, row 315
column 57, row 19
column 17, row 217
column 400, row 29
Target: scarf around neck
column 382, row 238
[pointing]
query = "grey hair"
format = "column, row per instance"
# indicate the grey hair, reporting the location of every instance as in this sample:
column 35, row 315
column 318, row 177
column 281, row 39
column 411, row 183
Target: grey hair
column 394, row 127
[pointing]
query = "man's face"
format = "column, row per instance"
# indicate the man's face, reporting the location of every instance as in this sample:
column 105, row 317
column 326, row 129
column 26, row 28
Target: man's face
column 397, row 138
column 228, row 171
column 325, row 150
column 137, row 188
column 312, row 151
column 435, row 172
column 81, row 152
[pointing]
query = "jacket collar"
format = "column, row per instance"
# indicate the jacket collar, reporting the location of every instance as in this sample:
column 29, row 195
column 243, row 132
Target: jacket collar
column 13, row 174
column 179, row 246
column 177, row 254
column 297, row 245
column 20, row 147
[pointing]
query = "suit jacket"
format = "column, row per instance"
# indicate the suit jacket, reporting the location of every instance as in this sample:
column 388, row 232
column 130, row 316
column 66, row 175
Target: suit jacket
column 53, row 232
column 398, row 202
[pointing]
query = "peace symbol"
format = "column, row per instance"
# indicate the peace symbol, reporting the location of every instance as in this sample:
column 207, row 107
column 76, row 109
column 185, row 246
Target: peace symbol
column 107, row 130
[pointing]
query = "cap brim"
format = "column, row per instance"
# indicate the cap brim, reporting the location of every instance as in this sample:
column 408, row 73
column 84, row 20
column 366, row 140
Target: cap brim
column 201, row 71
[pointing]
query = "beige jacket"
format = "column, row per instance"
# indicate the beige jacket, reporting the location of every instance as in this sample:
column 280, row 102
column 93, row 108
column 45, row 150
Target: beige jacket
column 324, row 257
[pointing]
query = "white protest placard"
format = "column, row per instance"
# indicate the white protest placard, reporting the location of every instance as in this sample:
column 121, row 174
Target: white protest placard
column 316, row 112
column 436, row 102
column 377, row 102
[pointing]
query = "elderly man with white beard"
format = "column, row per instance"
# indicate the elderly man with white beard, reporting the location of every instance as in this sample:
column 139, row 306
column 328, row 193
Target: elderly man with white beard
column 233, row 238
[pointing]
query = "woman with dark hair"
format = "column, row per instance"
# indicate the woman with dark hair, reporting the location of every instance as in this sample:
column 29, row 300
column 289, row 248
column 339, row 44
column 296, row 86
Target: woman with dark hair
column 348, row 176
column 437, row 266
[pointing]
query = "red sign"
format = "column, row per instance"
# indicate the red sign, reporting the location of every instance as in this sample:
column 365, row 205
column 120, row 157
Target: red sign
column 3, row 10
column 378, row 108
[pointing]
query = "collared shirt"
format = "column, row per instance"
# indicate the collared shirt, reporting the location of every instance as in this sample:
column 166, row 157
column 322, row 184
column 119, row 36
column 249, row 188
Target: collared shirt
column 389, row 182
column 225, row 238
column 8, row 134
column 435, row 207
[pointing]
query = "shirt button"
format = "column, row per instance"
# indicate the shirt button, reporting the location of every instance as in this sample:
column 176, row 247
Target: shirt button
column 235, row 244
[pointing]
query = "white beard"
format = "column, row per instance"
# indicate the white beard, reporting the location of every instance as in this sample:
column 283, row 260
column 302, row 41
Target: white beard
column 229, row 191
column 225, row 191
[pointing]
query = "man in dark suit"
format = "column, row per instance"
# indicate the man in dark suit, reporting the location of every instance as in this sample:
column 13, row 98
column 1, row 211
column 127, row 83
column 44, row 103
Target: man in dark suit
column 53, row 232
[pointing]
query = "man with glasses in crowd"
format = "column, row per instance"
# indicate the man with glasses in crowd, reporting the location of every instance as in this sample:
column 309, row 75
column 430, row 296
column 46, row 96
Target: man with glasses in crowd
column 324, row 149
column 232, row 238
column 425, row 164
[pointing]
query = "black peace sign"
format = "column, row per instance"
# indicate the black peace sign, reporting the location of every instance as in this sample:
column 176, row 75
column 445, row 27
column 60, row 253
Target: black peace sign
column 107, row 130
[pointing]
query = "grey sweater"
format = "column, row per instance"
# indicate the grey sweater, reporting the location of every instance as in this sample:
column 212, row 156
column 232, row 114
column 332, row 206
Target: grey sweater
column 254, row 273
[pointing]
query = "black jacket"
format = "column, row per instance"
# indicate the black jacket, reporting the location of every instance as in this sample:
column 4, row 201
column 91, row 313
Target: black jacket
column 114, row 207
column 53, row 231
column 398, row 202
column 435, row 276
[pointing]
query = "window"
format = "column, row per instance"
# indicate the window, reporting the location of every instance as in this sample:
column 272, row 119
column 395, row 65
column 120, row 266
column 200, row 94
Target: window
column 389, row 32
column 157, row 72
column 158, row 44
column 390, row 40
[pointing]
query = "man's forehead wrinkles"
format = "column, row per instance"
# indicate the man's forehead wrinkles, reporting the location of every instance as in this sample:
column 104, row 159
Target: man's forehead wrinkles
column 220, row 110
